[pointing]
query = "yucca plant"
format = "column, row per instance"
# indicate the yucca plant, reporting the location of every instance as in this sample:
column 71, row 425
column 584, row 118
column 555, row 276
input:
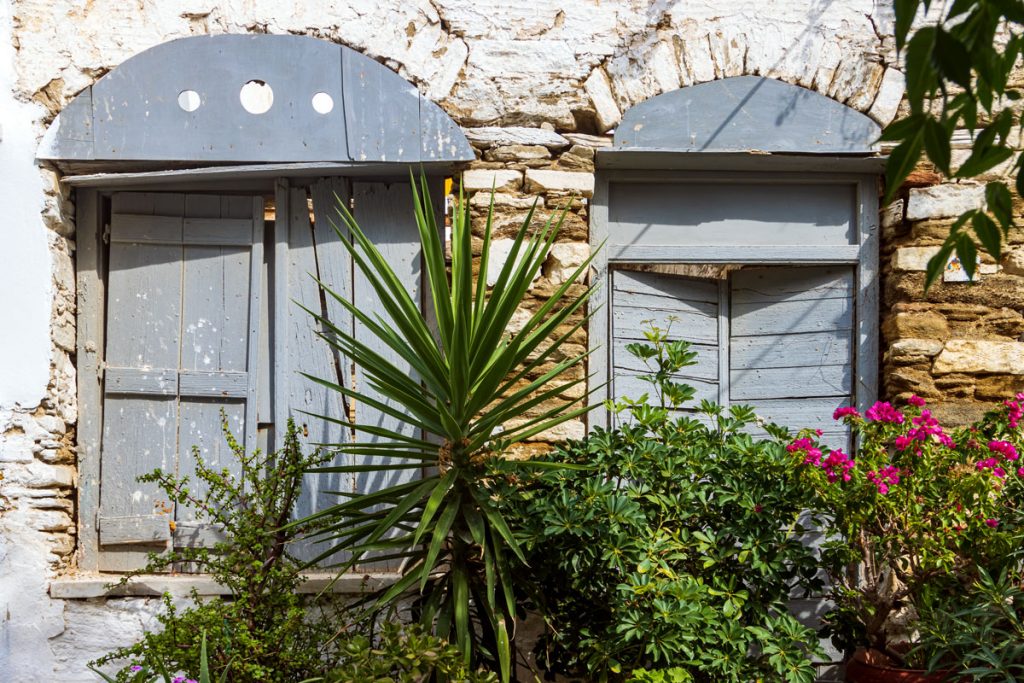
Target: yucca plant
column 470, row 378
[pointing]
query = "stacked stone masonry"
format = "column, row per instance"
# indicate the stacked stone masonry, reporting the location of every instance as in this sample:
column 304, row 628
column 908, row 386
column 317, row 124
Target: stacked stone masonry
column 537, row 87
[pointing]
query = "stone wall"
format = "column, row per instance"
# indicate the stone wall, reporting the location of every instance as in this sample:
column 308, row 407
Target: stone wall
column 536, row 86
column 960, row 344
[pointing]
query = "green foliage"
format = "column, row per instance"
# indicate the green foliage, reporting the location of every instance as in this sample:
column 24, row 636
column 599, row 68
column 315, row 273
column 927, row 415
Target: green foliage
column 160, row 671
column 675, row 542
column 470, row 377
column 403, row 655
column 918, row 511
column 264, row 631
column 979, row 632
column 958, row 77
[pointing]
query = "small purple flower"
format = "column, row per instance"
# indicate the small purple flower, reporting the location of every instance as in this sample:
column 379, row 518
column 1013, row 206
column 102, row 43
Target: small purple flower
column 135, row 667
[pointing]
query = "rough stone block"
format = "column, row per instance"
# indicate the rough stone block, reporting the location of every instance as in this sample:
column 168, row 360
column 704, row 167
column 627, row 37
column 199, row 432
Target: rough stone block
column 502, row 200
column 563, row 181
column 1013, row 262
column 913, row 258
column 496, row 136
column 916, row 325
column 973, row 356
column 943, row 201
column 890, row 94
column 512, row 153
column 600, row 91
column 484, row 179
column 564, row 259
column 914, row 350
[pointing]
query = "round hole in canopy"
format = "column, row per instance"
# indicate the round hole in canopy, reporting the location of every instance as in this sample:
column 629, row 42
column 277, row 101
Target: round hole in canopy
column 256, row 97
column 189, row 100
column 323, row 103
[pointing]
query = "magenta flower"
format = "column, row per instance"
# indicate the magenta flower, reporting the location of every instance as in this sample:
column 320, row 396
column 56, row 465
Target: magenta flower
column 840, row 413
column 915, row 400
column 884, row 478
column 135, row 667
column 1005, row 448
column 883, row 411
column 992, row 522
column 1020, row 471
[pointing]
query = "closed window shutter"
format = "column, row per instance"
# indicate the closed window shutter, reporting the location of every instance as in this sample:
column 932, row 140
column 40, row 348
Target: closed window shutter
column 791, row 345
column 183, row 306
column 687, row 307
column 384, row 212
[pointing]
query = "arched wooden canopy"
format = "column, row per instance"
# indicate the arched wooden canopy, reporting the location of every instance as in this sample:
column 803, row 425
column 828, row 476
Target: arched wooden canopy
column 746, row 114
column 138, row 114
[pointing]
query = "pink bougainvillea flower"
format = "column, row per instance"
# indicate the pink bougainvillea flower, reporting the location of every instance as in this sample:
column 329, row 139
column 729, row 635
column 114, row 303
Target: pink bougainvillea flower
column 818, row 432
column 1005, row 448
column 840, row 413
column 884, row 478
column 999, row 472
column 902, row 442
column 915, row 400
column 883, row 411
column 1014, row 411
column 992, row 522
column 1020, row 471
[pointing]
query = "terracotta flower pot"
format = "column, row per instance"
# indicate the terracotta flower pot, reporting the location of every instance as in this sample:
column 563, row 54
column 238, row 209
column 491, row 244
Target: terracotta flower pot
column 870, row 666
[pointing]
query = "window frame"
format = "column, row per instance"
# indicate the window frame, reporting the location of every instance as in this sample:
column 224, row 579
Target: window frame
column 91, row 194
column 622, row 168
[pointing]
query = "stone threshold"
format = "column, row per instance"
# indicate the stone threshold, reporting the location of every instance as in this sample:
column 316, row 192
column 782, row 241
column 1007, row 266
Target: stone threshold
column 85, row 586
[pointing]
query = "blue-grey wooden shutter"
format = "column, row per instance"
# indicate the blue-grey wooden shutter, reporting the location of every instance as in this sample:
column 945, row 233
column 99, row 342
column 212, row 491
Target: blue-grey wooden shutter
column 685, row 306
column 384, row 212
column 183, row 303
column 791, row 345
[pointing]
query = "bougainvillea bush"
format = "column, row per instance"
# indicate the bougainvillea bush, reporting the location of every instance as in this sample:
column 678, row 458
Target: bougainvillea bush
column 667, row 548
column 915, row 516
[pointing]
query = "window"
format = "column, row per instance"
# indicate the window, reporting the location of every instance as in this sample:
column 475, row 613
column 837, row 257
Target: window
column 743, row 214
column 204, row 202
column 201, row 314
column 777, row 338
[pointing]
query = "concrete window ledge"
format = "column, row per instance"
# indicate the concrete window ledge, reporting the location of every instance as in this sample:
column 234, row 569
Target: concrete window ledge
column 84, row 586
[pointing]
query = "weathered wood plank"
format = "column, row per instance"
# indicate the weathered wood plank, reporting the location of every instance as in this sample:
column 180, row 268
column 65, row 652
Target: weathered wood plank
column 706, row 367
column 796, row 382
column 135, row 228
column 631, row 323
column 627, row 384
column 154, row 381
column 751, row 213
column 752, row 285
column 90, row 343
column 218, row 231
column 792, row 350
column 202, row 437
column 661, row 286
column 196, row 384
column 334, row 263
column 383, row 212
column 137, row 529
column 790, row 317
column 311, row 355
column 193, row 535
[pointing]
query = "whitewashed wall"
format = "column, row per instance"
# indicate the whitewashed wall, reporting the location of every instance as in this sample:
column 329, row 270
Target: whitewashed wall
column 571, row 66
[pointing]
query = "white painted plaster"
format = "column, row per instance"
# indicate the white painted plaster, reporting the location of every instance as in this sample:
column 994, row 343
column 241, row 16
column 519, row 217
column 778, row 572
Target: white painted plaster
column 25, row 288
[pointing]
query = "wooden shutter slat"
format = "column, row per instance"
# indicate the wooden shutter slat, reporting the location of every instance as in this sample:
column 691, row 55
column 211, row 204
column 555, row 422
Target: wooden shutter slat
column 218, row 231
column 308, row 354
column 195, row 384
column 791, row 345
column 135, row 529
column 140, row 228
column 141, row 381
column 383, row 211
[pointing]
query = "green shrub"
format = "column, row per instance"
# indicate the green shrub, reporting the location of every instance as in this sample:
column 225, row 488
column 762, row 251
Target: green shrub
column 978, row 632
column 676, row 543
column 406, row 654
column 265, row 631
